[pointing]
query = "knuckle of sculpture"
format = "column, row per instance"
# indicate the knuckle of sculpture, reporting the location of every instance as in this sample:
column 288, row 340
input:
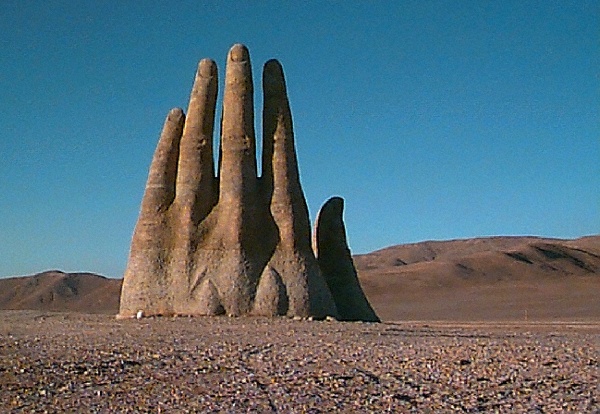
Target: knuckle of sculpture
column 251, row 253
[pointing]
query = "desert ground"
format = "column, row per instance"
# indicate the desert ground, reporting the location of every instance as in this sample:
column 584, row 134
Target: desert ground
column 75, row 362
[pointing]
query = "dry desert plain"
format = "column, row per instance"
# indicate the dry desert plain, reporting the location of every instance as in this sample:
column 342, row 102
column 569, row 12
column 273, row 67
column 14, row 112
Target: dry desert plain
column 482, row 325
column 75, row 362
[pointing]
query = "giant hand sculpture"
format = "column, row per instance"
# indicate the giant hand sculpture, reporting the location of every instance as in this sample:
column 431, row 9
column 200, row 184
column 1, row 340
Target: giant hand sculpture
column 236, row 243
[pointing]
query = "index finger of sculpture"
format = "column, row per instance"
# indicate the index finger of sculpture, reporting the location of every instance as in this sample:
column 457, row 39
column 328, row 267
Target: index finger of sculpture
column 195, row 176
column 280, row 165
column 276, row 114
column 160, row 187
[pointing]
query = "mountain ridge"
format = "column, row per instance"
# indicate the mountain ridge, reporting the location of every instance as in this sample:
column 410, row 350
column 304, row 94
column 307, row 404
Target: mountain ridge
column 54, row 290
column 485, row 279
column 488, row 278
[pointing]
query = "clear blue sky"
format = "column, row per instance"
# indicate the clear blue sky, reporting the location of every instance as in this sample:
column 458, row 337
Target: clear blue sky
column 433, row 119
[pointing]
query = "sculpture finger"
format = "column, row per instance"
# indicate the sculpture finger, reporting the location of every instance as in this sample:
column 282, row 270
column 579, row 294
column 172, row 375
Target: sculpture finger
column 237, row 158
column 146, row 281
column 160, row 187
column 335, row 261
column 195, row 176
column 279, row 163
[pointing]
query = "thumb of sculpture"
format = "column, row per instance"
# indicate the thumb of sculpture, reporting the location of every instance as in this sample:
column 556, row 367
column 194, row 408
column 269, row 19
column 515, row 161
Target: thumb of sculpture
column 235, row 243
column 336, row 264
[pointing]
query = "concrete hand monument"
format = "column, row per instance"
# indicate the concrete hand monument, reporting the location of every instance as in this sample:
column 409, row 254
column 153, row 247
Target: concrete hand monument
column 234, row 243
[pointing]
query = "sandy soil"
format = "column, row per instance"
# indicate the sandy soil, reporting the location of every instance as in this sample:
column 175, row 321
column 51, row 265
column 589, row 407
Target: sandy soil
column 70, row 362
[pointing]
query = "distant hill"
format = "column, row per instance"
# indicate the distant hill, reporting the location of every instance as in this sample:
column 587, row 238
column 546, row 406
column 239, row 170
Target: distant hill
column 495, row 278
column 58, row 291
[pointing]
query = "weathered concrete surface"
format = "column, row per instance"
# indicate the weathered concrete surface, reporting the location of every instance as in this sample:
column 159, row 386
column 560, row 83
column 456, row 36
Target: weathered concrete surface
column 234, row 243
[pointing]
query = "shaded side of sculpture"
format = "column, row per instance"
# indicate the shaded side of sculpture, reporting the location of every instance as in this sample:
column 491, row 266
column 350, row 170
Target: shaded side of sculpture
column 235, row 243
column 336, row 264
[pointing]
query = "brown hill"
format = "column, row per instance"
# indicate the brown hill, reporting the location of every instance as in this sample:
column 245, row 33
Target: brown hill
column 496, row 278
column 58, row 291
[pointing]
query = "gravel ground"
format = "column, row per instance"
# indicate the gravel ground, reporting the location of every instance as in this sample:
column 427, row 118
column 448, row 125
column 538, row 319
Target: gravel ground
column 67, row 362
